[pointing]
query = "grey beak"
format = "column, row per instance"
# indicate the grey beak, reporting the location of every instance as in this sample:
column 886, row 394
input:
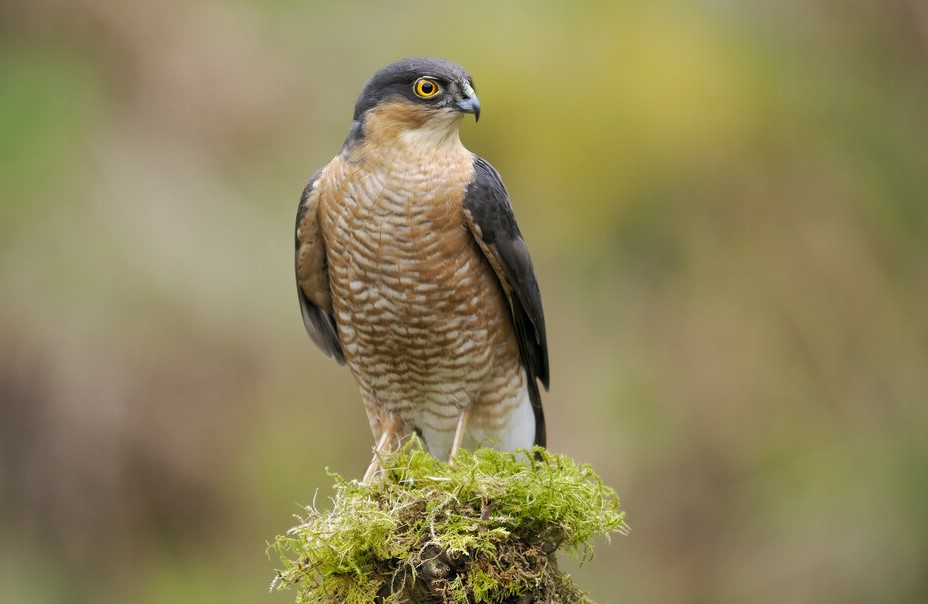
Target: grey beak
column 470, row 104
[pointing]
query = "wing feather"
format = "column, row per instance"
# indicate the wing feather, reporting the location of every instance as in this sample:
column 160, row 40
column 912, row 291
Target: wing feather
column 312, row 276
column 491, row 221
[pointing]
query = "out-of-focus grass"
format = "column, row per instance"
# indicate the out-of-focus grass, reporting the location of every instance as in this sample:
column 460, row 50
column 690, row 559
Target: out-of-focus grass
column 50, row 101
column 726, row 207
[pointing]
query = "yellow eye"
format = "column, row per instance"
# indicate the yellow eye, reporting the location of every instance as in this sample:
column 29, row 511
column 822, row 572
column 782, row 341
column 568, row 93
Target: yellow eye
column 426, row 88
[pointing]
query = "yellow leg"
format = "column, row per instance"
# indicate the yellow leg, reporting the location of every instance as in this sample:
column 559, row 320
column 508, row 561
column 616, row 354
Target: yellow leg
column 459, row 433
column 375, row 462
column 390, row 431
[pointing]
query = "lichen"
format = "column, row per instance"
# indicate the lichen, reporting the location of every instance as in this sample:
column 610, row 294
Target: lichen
column 485, row 528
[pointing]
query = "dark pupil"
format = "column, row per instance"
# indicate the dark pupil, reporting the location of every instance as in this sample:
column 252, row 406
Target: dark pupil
column 427, row 87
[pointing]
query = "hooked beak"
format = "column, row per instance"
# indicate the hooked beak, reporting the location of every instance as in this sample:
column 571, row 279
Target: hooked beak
column 469, row 103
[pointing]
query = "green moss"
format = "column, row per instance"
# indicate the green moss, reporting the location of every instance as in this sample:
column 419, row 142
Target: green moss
column 485, row 529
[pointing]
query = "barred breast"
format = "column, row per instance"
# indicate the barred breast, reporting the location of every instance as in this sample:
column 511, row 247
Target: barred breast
column 421, row 318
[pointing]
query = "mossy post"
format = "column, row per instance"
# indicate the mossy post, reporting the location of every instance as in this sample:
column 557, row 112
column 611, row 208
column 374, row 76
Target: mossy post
column 485, row 528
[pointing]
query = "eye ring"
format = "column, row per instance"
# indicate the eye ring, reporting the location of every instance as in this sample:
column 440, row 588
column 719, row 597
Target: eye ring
column 426, row 88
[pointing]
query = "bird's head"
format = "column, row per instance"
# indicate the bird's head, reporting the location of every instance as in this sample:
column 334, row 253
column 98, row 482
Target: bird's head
column 415, row 94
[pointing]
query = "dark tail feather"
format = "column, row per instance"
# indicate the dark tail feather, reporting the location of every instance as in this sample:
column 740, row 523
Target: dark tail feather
column 541, row 435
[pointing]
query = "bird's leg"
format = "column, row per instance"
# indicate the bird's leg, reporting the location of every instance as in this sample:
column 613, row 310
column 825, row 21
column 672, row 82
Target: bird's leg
column 375, row 462
column 389, row 433
column 459, row 434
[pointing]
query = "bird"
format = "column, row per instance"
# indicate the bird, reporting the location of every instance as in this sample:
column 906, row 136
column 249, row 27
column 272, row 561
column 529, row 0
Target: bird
column 412, row 270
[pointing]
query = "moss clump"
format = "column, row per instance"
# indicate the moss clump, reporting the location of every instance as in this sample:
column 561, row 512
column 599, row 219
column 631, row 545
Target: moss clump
column 485, row 529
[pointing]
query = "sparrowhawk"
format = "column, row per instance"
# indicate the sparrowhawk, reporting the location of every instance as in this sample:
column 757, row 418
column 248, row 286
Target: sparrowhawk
column 411, row 269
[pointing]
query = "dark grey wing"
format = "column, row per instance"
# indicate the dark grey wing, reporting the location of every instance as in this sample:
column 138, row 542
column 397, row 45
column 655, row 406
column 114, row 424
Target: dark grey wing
column 312, row 278
column 490, row 218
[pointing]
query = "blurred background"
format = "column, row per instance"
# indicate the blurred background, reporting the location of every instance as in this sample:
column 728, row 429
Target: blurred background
column 726, row 202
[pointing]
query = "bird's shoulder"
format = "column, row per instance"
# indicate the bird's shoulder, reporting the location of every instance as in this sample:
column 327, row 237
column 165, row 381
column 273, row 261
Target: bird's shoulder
column 487, row 206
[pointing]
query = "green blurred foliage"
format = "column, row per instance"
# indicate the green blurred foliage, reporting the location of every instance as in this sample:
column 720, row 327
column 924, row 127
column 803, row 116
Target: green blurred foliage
column 48, row 100
column 727, row 204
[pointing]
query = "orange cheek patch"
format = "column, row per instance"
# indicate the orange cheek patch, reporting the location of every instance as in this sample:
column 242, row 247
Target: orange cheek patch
column 389, row 119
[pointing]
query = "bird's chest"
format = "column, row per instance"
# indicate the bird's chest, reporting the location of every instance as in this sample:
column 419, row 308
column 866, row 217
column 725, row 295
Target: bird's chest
column 405, row 274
